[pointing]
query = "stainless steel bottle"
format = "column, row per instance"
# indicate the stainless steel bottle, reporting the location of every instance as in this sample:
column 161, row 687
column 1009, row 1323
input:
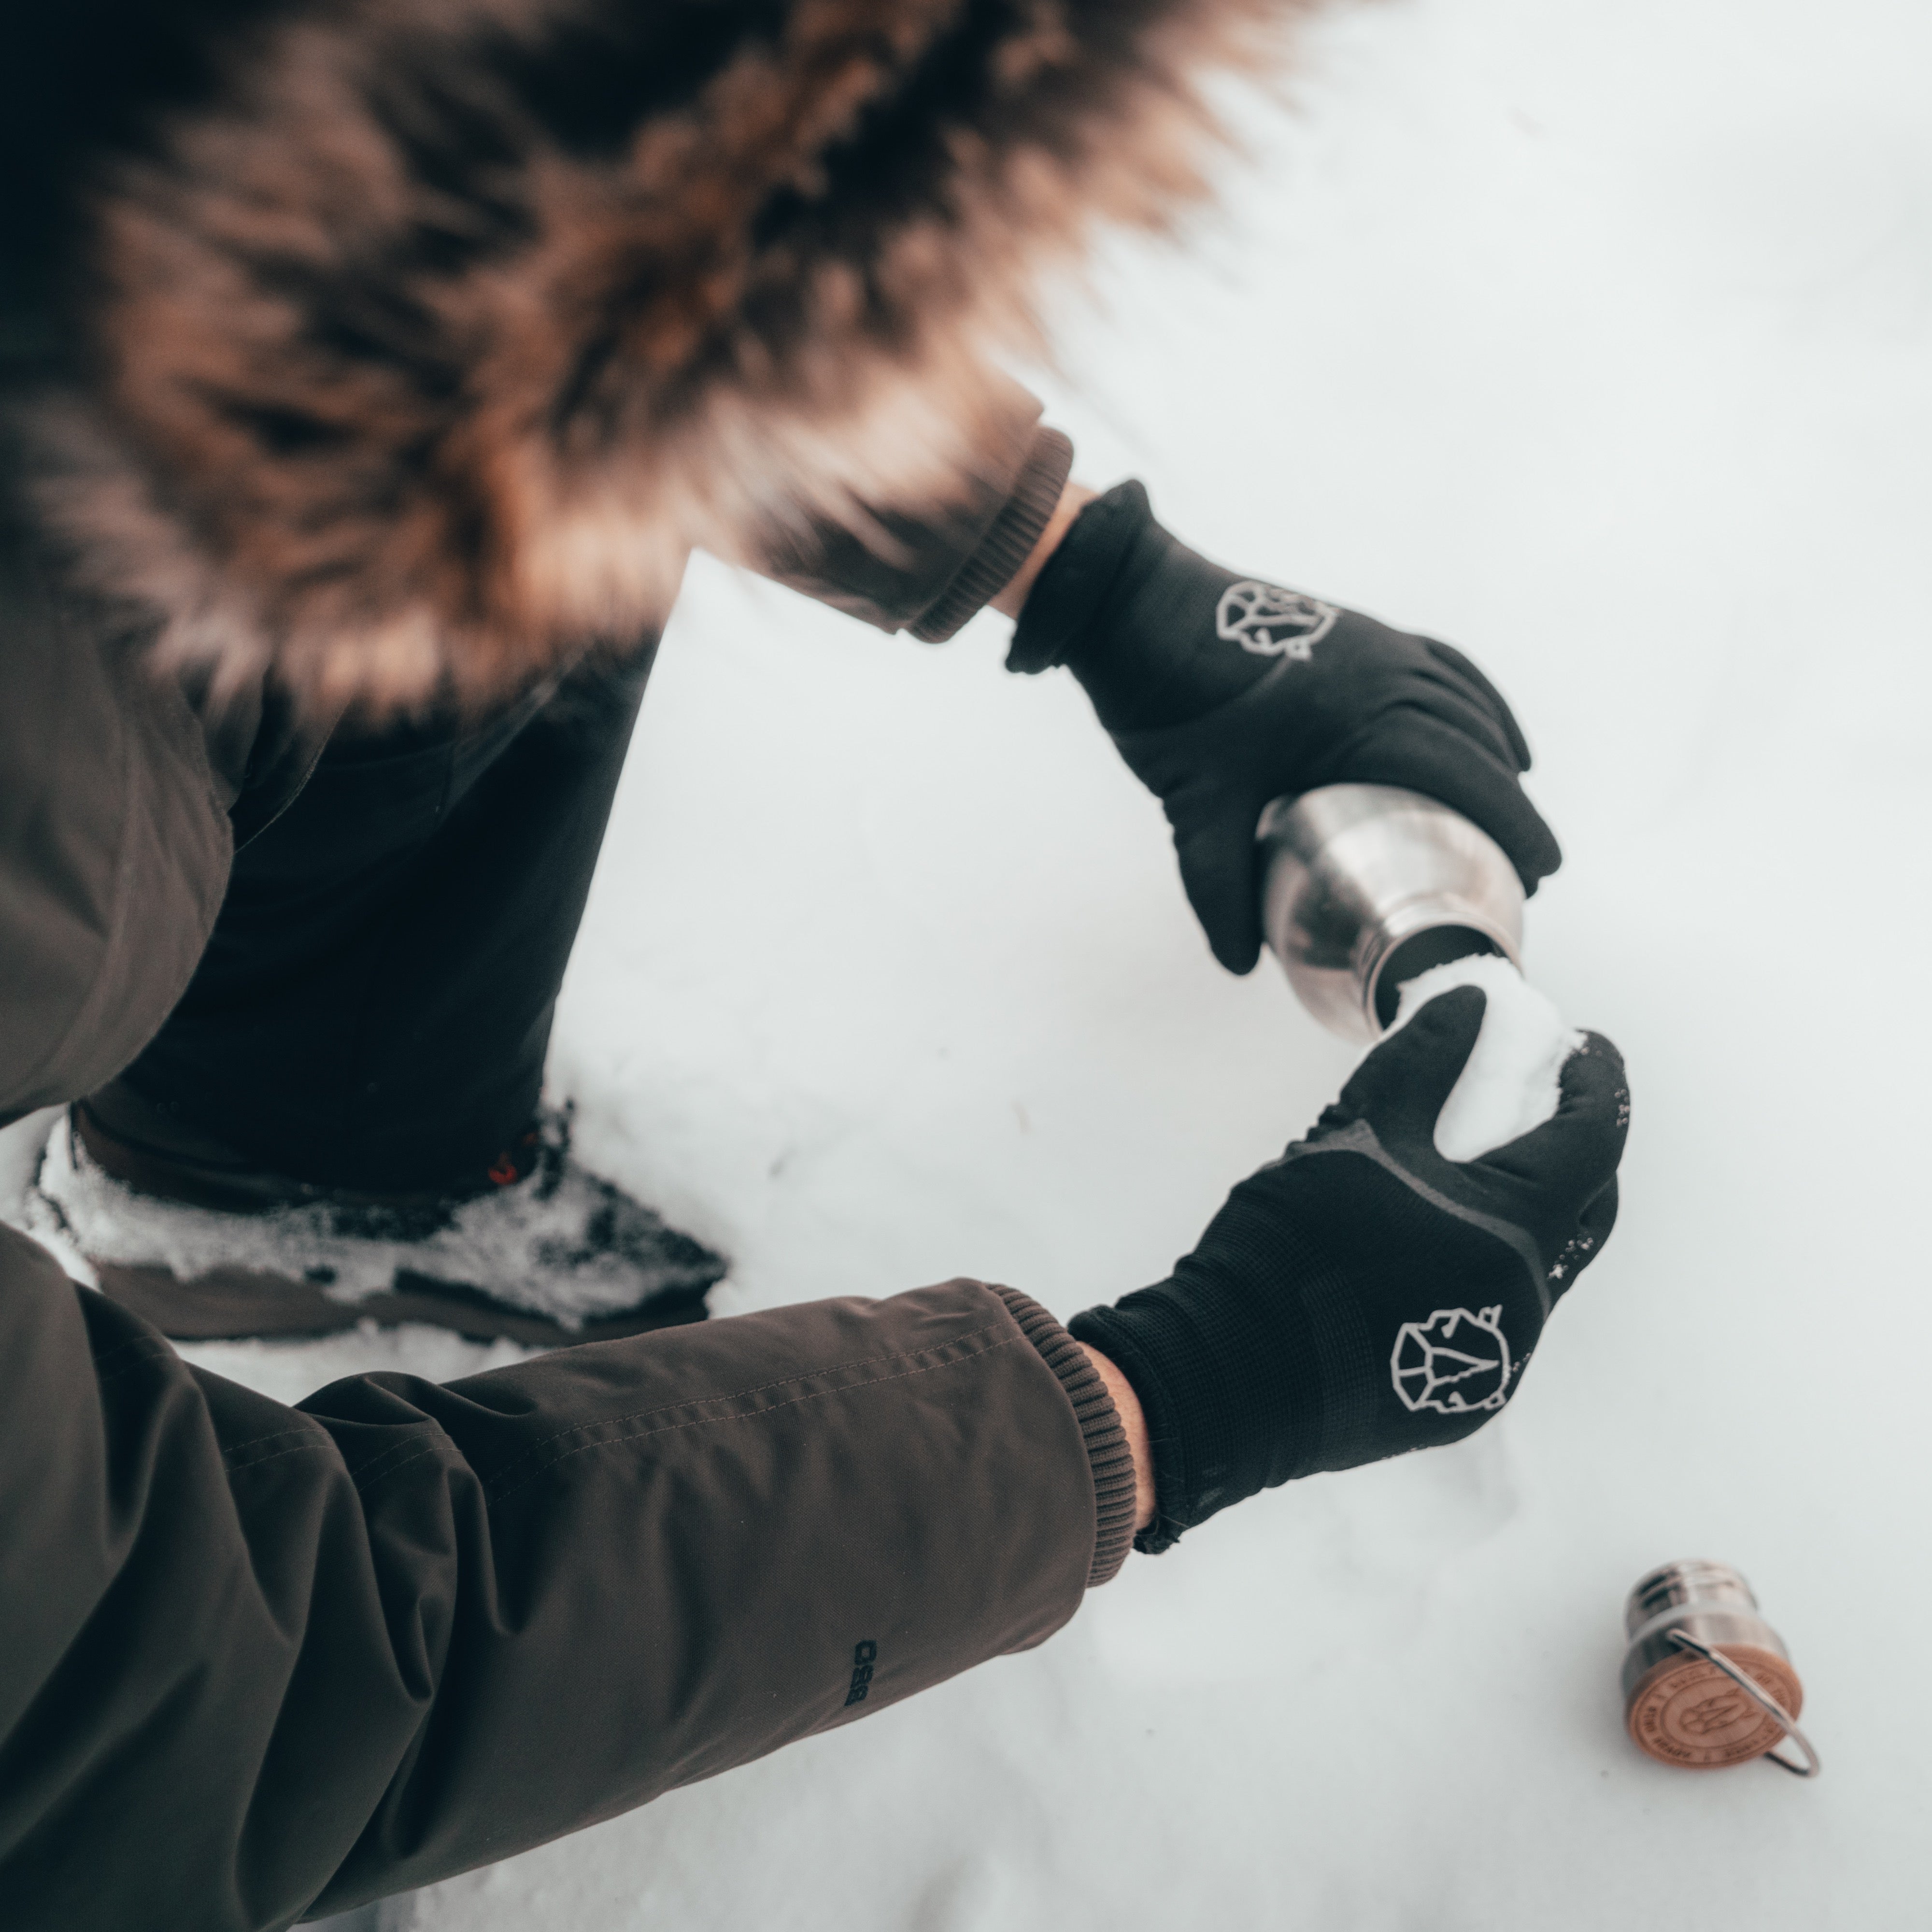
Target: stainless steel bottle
column 1366, row 886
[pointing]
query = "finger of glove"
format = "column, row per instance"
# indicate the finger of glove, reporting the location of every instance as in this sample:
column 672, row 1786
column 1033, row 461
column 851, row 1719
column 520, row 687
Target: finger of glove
column 1217, row 871
column 1412, row 749
column 1473, row 674
column 1442, row 690
column 1400, row 1087
column 1436, row 691
column 1565, row 1163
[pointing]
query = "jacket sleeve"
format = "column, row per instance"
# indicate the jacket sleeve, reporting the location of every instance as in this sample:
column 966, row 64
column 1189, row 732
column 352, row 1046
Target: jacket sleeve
column 928, row 574
column 304, row 1657
column 114, row 841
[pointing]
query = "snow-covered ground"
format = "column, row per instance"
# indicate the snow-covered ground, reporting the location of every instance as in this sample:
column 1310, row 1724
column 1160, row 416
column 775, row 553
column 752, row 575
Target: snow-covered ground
column 1593, row 337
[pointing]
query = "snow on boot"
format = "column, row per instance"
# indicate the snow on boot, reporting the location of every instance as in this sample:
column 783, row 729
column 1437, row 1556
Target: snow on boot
column 545, row 1252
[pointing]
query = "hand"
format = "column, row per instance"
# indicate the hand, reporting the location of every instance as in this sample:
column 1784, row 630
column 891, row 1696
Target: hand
column 1362, row 1296
column 1223, row 693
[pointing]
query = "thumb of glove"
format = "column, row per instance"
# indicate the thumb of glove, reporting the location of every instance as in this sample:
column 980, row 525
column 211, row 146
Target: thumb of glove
column 1559, row 1180
column 1400, row 1088
column 1218, row 870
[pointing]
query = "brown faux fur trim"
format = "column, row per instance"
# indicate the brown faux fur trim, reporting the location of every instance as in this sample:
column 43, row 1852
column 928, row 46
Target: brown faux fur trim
column 424, row 355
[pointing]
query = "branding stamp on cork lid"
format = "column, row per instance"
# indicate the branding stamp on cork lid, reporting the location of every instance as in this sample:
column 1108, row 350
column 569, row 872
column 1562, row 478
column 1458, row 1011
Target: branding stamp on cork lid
column 1707, row 1681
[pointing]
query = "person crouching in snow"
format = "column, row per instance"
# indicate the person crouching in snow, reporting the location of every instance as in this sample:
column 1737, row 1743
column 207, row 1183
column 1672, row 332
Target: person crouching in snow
column 369, row 371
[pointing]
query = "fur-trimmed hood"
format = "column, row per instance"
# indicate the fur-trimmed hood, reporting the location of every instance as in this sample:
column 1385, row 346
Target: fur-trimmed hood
column 419, row 341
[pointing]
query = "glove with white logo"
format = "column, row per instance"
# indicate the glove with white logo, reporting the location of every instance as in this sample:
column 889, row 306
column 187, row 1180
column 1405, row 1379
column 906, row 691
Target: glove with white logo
column 1362, row 1296
column 1223, row 693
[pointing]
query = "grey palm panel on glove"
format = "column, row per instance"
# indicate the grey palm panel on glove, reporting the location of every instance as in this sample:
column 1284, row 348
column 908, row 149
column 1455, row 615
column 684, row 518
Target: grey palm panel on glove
column 1224, row 692
column 1362, row 1296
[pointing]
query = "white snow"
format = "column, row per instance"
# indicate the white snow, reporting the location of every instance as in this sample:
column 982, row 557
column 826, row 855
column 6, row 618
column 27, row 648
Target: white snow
column 1509, row 1082
column 1594, row 338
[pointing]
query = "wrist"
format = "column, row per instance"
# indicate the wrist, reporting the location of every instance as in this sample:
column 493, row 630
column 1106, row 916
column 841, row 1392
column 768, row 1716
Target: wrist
column 1074, row 498
column 1068, row 594
column 1133, row 1424
column 1226, row 1365
column 1135, row 616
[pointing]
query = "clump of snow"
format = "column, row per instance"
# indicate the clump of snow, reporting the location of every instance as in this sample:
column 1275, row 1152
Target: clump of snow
column 1511, row 1082
column 562, row 1242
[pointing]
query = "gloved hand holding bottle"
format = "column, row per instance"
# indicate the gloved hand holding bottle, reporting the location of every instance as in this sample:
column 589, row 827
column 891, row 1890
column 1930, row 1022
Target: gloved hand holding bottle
column 1223, row 692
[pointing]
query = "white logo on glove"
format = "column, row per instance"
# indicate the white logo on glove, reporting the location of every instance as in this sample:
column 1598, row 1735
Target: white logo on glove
column 1454, row 1363
column 1273, row 622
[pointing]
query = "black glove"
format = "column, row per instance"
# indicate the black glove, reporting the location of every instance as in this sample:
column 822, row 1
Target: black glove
column 1363, row 1297
column 1223, row 693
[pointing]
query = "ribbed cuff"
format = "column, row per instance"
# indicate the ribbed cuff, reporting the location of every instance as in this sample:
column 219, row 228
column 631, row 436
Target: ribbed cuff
column 1008, row 543
column 1107, row 1455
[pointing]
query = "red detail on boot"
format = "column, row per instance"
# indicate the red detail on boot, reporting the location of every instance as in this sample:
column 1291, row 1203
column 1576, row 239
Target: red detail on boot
column 503, row 1171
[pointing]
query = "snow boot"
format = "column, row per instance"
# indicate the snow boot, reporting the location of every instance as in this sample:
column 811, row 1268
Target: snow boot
column 195, row 1239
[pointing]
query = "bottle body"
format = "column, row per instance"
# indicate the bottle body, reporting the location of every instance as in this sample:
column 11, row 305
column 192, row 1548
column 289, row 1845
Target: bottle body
column 1364, row 886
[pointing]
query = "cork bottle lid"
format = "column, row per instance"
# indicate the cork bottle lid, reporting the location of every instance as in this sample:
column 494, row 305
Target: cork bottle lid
column 1686, row 1711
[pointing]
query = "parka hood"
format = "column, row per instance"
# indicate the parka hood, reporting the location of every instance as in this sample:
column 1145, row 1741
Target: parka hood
column 417, row 345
